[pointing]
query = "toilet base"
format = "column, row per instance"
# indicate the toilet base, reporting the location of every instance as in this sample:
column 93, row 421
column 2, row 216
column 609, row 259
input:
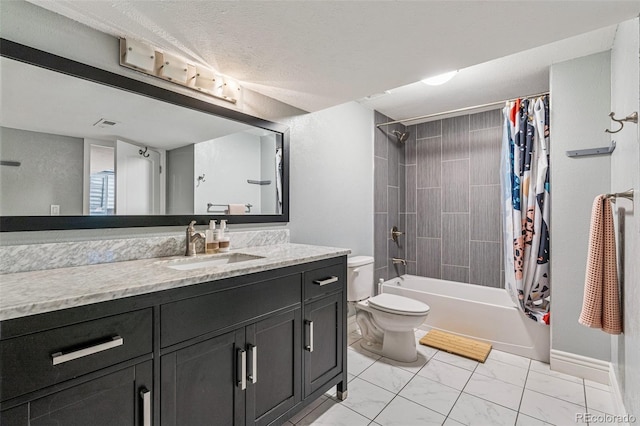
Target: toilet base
column 397, row 345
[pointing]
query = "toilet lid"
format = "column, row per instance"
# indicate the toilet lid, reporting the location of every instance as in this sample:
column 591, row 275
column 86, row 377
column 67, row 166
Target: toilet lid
column 395, row 304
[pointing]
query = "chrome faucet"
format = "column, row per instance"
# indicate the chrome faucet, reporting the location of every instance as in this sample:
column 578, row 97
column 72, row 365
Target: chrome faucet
column 192, row 237
column 395, row 261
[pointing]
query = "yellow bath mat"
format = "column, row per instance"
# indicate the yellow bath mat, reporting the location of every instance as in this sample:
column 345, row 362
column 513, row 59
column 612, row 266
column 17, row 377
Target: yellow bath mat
column 462, row 346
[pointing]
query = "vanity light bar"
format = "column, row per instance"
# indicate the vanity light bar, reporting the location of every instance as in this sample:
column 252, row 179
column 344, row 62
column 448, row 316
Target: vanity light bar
column 147, row 60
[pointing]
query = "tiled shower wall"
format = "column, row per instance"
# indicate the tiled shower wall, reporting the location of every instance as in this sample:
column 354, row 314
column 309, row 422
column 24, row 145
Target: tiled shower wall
column 448, row 199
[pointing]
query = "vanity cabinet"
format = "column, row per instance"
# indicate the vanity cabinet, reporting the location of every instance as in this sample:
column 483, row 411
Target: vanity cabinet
column 324, row 324
column 236, row 351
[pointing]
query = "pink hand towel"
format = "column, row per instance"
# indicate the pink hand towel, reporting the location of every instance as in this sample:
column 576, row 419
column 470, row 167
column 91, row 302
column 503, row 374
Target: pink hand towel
column 601, row 303
column 237, row 208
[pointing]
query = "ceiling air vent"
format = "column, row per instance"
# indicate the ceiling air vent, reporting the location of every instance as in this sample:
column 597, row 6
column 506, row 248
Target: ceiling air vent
column 104, row 123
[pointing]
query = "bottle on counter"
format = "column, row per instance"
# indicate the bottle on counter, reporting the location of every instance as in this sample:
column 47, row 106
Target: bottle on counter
column 211, row 244
column 223, row 240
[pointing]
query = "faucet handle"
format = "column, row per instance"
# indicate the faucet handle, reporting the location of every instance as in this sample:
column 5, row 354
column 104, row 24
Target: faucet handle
column 193, row 222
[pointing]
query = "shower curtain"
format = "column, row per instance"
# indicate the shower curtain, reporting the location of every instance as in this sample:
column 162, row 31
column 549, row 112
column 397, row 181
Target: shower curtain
column 525, row 197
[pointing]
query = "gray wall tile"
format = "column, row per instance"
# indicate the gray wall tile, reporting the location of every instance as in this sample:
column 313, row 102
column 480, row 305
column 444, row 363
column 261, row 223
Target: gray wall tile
column 380, row 140
column 409, row 155
column 380, row 240
column 455, row 186
column 394, row 209
column 486, row 119
column 429, row 129
column 412, row 268
column 380, row 273
column 393, row 161
column 486, row 222
column 484, row 152
column 410, row 235
column 485, row 264
column 429, row 212
column 393, row 249
column 429, row 156
column 410, row 189
column 380, row 178
column 455, row 138
column 458, row 274
column 428, row 250
column 402, row 185
column 455, row 239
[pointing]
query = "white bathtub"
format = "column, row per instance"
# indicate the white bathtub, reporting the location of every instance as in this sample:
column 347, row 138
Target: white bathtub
column 483, row 313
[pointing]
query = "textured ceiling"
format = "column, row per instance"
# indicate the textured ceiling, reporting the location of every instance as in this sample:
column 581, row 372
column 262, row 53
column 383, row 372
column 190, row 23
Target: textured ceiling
column 317, row 54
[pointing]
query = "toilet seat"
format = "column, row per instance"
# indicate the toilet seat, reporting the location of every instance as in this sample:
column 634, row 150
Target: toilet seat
column 400, row 305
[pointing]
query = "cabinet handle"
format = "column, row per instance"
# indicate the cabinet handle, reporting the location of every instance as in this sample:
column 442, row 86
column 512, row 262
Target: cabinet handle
column 60, row 357
column 326, row 281
column 253, row 376
column 145, row 394
column 309, row 347
column 242, row 366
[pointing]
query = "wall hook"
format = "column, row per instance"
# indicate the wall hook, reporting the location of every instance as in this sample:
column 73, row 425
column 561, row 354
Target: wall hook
column 633, row 118
column 144, row 153
column 200, row 180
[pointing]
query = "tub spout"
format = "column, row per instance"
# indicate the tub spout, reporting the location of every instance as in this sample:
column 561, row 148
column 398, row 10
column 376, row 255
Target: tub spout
column 396, row 261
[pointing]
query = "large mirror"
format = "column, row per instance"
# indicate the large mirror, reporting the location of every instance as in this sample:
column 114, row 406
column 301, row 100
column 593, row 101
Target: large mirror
column 85, row 148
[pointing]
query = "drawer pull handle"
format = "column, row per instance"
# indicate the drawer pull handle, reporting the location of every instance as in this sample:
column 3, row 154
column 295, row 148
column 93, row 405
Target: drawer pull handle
column 326, row 281
column 242, row 366
column 309, row 347
column 145, row 394
column 254, row 364
column 60, row 357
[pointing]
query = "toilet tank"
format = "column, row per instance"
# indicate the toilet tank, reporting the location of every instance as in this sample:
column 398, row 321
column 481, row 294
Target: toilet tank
column 360, row 284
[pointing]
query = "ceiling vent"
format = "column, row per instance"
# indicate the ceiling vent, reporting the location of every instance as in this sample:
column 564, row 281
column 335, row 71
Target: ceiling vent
column 104, row 123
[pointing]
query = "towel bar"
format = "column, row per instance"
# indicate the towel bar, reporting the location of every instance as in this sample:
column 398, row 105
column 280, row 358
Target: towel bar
column 628, row 194
column 592, row 151
column 226, row 210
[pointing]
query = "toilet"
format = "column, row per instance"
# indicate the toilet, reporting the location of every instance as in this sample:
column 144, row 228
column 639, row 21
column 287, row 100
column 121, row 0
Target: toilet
column 387, row 321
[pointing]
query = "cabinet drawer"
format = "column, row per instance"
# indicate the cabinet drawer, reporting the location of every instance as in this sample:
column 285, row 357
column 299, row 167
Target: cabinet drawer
column 185, row 319
column 323, row 280
column 42, row 359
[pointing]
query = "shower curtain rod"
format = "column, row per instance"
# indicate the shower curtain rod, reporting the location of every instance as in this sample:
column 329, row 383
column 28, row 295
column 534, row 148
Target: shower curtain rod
column 459, row 110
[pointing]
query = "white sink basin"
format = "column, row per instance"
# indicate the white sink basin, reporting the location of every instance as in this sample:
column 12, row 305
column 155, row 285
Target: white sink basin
column 208, row 262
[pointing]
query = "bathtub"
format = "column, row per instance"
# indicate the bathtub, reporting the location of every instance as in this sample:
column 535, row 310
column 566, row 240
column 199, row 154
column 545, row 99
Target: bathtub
column 483, row 313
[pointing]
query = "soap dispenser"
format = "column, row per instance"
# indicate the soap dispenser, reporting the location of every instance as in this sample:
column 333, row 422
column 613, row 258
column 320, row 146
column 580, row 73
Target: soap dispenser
column 223, row 240
column 211, row 245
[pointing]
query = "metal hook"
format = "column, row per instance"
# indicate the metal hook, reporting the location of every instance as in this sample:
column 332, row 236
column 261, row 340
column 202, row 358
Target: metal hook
column 200, row 180
column 633, row 118
column 144, row 153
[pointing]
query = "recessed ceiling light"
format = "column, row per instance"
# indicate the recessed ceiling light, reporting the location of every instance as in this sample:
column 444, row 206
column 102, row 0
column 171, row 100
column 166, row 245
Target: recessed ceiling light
column 440, row 79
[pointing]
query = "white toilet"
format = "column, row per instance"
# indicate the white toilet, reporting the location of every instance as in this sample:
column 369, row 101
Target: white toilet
column 387, row 321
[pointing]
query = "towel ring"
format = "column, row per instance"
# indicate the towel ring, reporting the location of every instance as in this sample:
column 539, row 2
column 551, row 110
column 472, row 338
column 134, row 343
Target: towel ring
column 633, row 118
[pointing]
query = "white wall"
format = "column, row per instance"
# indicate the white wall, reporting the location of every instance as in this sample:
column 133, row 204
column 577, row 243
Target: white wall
column 268, row 193
column 580, row 102
column 625, row 174
column 227, row 164
column 31, row 189
column 180, row 180
column 332, row 178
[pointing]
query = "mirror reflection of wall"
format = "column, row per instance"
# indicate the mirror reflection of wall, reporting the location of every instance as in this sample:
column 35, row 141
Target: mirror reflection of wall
column 50, row 173
column 102, row 180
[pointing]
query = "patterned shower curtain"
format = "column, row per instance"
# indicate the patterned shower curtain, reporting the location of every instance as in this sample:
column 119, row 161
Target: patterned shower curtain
column 525, row 196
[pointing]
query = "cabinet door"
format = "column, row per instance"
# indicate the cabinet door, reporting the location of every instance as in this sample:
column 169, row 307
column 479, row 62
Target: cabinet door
column 201, row 384
column 120, row 398
column 274, row 358
column 323, row 340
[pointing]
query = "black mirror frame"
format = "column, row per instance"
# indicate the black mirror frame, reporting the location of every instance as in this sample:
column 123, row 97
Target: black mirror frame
column 39, row 58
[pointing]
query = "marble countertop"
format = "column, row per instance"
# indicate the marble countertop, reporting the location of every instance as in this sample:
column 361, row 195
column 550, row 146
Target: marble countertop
column 28, row 293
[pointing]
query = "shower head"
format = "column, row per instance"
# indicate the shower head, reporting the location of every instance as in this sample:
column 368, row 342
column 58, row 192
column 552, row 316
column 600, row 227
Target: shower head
column 402, row 136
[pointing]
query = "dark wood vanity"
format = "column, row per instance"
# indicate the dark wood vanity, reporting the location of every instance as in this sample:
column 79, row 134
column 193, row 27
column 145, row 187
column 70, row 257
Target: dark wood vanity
column 248, row 350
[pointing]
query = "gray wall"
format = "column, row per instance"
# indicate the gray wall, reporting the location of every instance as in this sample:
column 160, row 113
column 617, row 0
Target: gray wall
column 180, row 180
column 580, row 102
column 268, row 193
column 442, row 188
column 389, row 201
column 625, row 174
column 332, row 178
column 50, row 173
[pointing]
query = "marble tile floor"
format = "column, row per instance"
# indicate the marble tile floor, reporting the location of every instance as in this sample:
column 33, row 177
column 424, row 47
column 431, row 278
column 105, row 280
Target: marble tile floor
column 445, row 389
